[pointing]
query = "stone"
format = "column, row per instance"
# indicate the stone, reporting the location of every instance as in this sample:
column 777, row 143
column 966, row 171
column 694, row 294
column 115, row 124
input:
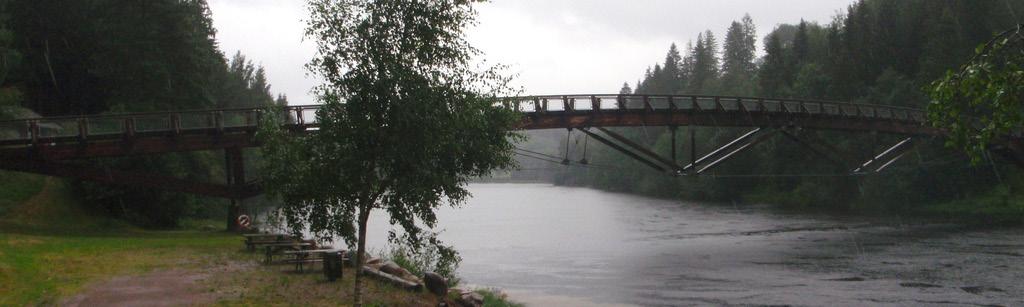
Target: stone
column 436, row 284
column 372, row 261
column 394, row 269
column 471, row 299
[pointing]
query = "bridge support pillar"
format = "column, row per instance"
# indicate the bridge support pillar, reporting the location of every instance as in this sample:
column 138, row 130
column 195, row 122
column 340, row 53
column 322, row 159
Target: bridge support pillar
column 673, row 130
column 234, row 169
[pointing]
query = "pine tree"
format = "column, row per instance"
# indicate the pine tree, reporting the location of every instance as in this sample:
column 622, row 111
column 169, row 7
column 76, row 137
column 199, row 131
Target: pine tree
column 738, row 66
column 625, row 90
column 705, row 64
column 671, row 73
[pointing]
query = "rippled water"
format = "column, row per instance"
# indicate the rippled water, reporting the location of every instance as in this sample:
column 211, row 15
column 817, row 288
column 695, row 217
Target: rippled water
column 562, row 246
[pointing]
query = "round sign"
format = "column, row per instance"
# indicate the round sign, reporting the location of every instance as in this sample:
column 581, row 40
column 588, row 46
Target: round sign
column 244, row 221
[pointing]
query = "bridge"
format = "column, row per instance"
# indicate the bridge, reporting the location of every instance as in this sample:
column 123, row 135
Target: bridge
column 55, row 145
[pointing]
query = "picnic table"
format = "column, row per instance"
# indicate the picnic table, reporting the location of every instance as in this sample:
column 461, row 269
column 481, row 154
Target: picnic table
column 301, row 257
column 256, row 239
column 272, row 248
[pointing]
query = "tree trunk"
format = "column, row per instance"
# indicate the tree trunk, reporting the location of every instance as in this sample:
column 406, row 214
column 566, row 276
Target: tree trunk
column 364, row 216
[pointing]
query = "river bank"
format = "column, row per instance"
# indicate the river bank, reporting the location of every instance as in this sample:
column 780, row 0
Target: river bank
column 137, row 267
column 52, row 252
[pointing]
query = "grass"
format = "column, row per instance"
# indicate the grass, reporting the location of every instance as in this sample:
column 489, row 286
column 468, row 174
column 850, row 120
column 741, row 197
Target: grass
column 495, row 298
column 38, row 268
column 280, row 286
column 997, row 207
column 17, row 188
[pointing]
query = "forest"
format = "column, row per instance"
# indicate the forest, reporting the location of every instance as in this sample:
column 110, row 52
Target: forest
column 116, row 56
column 885, row 52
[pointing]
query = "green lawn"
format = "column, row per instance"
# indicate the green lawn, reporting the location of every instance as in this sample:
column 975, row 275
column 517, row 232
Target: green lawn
column 41, row 269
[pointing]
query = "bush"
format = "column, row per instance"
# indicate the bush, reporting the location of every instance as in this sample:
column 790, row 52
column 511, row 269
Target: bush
column 436, row 258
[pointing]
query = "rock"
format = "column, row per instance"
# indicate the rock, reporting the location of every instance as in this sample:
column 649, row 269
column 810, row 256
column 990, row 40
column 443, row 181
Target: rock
column 435, row 283
column 393, row 269
column 372, row 261
column 470, row 299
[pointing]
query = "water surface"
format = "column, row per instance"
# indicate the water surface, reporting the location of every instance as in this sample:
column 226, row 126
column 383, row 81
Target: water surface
column 575, row 246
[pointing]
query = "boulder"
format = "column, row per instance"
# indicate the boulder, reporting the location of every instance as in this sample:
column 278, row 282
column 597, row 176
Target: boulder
column 470, row 299
column 372, row 261
column 392, row 268
column 436, row 284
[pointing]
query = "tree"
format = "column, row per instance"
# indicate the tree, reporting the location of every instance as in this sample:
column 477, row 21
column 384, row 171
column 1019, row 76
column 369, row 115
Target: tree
column 405, row 122
column 10, row 96
column 705, row 63
column 670, row 75
column 983, row 100
column 625, row 90
column 773, row 71
column 738, row 57
column 801, row 44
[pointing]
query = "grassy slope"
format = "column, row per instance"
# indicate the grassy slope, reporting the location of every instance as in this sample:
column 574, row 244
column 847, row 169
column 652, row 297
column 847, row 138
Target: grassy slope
column 15, row 188
column 50, row 249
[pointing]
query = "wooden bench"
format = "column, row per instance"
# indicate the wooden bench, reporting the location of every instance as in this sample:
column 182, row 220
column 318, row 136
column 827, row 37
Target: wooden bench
column 301, row 257
column 272, row 248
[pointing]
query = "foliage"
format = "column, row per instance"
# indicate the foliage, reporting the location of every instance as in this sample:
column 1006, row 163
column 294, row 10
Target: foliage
column 438, row 259
column 405, row 121
column 984, row 100
column 496, row 298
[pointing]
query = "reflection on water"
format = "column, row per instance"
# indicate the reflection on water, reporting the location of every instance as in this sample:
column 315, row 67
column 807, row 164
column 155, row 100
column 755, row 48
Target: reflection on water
column 574, row 246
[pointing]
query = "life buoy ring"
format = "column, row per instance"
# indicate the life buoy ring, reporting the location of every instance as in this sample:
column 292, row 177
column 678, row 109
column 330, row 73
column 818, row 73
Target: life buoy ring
column 244, row 221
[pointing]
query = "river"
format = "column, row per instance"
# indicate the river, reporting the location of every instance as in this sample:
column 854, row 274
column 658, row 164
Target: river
column 560, row 246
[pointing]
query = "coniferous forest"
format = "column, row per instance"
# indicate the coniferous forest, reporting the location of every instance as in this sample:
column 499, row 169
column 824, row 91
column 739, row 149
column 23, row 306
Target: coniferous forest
column 876, row 51
column 116, row 56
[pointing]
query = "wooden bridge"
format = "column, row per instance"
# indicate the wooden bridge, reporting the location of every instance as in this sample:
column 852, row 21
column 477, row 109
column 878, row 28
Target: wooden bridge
column 53, row 145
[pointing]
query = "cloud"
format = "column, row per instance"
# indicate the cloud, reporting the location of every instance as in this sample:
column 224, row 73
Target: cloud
column 555, row 47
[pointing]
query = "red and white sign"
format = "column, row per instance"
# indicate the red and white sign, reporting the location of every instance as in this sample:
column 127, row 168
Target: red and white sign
column 244, row 221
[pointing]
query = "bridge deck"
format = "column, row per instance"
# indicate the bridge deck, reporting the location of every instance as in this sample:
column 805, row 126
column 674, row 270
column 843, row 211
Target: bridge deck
column 73, row 137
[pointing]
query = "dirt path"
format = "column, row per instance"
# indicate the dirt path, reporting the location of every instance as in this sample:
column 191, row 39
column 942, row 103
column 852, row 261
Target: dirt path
column 161, row 288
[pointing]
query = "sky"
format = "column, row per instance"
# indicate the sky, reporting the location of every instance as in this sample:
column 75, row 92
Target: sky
column 551, row 46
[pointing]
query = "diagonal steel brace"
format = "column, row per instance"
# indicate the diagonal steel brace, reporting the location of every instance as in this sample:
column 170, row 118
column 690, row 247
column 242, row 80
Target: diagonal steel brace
column 641, row 149
column 897, row 150
column 751, row 143
column 721, row 149
column 623, row 150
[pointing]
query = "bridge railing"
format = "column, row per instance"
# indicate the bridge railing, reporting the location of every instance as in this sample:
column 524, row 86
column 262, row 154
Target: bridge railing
column 173, row 123
column 699, row 103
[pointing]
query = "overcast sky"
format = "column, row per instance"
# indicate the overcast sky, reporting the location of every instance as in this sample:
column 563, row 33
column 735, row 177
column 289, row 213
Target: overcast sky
column 555, row 47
